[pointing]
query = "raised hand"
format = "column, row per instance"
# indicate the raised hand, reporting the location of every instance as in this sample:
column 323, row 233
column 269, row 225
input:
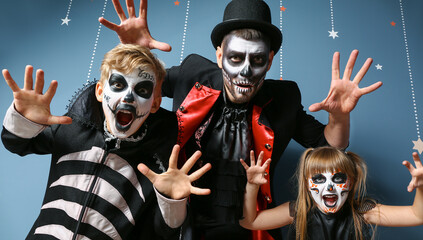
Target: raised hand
column 416, row 173
column 176, row 183
column 134, row 29
column 30, row 100
column 256, row 173
column 344, row 94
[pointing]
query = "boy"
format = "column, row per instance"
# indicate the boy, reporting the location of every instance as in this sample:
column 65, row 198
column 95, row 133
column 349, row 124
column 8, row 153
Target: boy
column 94, row 189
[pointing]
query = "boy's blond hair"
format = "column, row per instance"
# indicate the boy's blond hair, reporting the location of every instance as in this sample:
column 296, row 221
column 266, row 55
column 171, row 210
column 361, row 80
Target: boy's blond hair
column 125, row 58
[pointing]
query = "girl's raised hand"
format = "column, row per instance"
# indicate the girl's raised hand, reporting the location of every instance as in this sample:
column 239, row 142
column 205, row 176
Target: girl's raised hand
column 256, row 173
column 416, row 172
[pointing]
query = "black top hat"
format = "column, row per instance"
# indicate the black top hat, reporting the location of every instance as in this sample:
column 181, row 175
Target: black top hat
column 253, row 14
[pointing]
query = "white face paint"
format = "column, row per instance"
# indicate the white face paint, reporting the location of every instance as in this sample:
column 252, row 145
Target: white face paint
column 127, row 101
column 245, row 64
column 329, row 190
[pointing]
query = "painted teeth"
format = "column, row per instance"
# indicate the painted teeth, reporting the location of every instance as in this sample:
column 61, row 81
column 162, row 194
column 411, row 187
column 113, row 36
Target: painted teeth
column 243, row 90
column 241, row 82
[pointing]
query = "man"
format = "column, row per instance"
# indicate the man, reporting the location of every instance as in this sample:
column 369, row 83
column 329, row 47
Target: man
column 227, row 109
column 94, row 189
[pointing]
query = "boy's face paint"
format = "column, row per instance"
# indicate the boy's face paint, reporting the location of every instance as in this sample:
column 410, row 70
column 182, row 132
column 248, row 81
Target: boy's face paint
column 329, row 190
column 127, row 101
column 244, row 64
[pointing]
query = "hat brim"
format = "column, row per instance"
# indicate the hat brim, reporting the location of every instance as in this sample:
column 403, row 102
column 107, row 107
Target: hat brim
column 269, row 30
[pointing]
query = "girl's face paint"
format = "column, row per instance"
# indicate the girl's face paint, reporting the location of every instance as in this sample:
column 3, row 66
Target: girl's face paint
column 329, row 190
column 244, row 64
column 127, row 101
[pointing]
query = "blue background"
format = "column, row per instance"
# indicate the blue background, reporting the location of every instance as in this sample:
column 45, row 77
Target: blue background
column 383, row 125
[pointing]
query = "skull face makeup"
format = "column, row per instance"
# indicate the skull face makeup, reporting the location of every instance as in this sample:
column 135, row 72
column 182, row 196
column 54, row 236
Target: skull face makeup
column 329, row 190
column 244, row 66
column 127, row 101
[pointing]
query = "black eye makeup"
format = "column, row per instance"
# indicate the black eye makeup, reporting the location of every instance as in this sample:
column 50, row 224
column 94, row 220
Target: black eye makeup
column 258, row 60
column 318, row 178
column 144, row 89
column 117, row 82
column 236, row 58
column 339, row 178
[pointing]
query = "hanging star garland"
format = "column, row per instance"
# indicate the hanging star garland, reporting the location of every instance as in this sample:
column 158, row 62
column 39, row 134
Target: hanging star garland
column 95, row 44
column 332, row 33
column 185, row 32
column 282, row 10
column 66, row 20
column 418, row 145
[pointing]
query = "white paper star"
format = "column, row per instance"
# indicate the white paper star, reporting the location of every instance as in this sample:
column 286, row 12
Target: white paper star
column 418, row 145
column 379, row 67
column 65, row 21
column 333, row 34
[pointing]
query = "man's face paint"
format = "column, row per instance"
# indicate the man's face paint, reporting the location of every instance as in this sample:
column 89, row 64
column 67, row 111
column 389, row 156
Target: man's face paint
column 244, row 64
column 329, row 190
column 127, row 101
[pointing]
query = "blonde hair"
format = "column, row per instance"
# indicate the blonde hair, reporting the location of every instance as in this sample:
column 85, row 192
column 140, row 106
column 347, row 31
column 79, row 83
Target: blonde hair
column 324, row 159
column 125, row 58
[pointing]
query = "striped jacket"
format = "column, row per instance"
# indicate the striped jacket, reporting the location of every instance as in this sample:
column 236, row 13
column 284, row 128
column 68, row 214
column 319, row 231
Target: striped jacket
column 94, row 189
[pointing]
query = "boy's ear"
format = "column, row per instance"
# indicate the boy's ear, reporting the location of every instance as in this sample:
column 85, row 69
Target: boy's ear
column 99, row 91
column 156, row 103
column 219, row 55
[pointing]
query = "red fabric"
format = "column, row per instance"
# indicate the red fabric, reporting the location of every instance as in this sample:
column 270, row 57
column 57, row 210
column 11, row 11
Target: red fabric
column 263, row 136
column 195, row 108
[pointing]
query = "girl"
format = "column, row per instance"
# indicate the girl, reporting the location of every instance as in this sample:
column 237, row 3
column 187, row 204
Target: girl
column 330, row 202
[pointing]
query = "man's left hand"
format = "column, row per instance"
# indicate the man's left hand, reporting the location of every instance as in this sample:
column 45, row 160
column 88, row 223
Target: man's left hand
column 344, row 94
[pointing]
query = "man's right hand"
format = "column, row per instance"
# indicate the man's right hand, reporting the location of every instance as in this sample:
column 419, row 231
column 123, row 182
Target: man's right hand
column 30, row 100
column 134, row 29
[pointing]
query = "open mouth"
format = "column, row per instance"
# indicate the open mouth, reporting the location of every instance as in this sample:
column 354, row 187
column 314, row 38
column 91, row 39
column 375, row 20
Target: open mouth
column 243, row 86
column 330, row 200
column 124, row 117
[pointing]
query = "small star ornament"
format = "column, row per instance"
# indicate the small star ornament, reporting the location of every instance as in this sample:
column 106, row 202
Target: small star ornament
column 418, row 145
column 333, row 34
column 379, row 67
column 65, row 20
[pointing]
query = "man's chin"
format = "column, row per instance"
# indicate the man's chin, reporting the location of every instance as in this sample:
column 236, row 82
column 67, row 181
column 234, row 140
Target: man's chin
column 239, row 98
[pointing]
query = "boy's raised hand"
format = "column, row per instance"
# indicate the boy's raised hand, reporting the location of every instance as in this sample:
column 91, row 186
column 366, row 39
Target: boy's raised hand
column 416, row 172
column 176, row 183
column 30, row 100
column 256, row 173
column 133, row 29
